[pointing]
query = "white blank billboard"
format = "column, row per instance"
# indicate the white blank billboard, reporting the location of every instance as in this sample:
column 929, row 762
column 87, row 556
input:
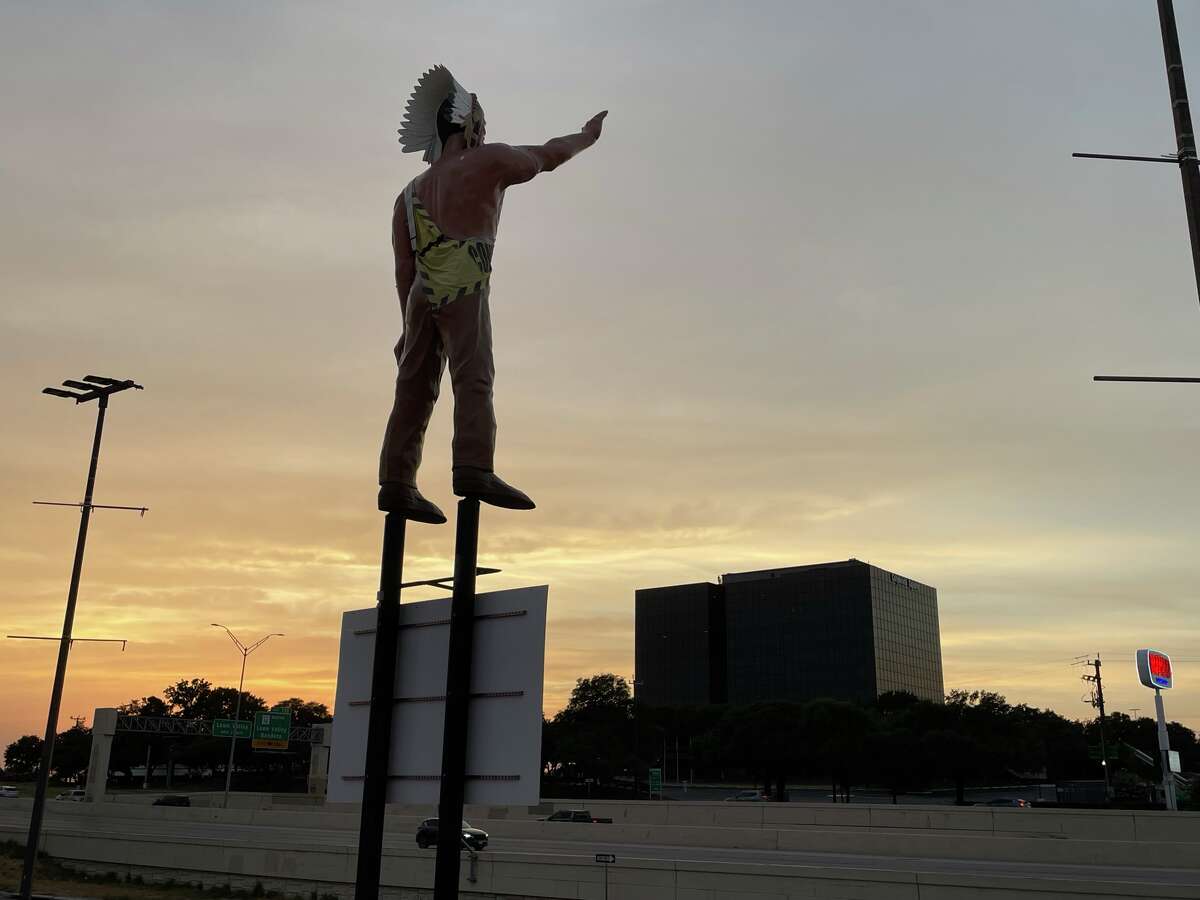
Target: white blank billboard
column 504, row 752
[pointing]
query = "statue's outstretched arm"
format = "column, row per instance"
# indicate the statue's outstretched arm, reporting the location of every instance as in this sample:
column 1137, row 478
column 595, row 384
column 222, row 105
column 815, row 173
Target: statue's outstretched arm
column 522, row 163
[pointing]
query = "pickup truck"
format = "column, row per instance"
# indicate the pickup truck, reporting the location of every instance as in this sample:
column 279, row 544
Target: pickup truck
column 576, row 815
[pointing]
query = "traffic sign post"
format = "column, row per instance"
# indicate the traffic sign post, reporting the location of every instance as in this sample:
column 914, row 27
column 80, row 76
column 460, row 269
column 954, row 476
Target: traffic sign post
column 224, row 728
column 606, row 859
column 1164, row 752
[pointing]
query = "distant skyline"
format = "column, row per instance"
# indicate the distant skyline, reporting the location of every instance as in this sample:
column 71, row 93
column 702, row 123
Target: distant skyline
column 830, row 286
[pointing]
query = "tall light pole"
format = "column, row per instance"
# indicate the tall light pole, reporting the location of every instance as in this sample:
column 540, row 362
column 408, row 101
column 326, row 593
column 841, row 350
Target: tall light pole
column 98, row 388
column 237, row 714
column 1185, row 139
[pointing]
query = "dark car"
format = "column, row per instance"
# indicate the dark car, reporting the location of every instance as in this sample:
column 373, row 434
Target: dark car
column 576, row 815
column 173, row 800
column 1015, row 802
column 427, row 835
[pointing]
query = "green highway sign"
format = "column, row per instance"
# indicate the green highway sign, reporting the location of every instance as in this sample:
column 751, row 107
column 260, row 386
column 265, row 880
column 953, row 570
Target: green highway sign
column 272, row 729
column 656, row 781
column 223, row 728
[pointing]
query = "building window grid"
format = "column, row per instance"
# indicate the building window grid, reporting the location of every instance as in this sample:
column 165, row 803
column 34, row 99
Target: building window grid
column 907, row 636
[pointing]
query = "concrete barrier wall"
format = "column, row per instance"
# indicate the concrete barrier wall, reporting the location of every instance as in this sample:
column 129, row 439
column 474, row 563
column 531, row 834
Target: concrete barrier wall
column 409, row 874
column 1105, row 824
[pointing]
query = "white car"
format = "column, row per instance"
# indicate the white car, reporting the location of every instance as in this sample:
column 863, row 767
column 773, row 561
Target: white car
column 9, row 791
column 748, row 796
column 77, row 795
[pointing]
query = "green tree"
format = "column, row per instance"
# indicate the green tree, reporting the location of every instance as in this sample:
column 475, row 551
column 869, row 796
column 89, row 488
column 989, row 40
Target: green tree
column 24, row 755
column 767, row 740
column 188, row 696
column 130, row 748
column 591, row 735
column 836, row 733
column 155, row 707
column 72, row 751
column 605, row 692
column 306, row 712
column 897, row 760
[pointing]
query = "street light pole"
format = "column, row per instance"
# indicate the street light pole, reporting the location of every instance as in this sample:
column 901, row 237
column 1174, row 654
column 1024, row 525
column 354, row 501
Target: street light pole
column 1185, row 139
column 237, row 713
column 237, row 717
column 1189, row 166
column 99, row 388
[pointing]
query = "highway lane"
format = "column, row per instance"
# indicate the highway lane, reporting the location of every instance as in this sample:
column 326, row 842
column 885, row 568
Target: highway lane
column 299, row 837
column 669, row 853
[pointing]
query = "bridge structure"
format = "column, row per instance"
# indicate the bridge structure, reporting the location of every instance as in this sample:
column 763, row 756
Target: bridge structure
column 107, row 723
column 308, row 734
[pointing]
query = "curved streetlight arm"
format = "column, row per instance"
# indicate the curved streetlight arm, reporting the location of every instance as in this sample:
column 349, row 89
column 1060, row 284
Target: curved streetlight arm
column 262, row 641
column 241, row 647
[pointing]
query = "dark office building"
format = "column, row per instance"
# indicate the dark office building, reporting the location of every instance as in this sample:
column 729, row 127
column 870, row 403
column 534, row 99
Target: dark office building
column 844, row 629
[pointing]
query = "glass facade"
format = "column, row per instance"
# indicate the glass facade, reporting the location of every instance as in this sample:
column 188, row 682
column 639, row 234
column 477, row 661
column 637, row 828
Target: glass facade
column 679, row 645
column 799, row 634
column 847, row 630
column 908, row 644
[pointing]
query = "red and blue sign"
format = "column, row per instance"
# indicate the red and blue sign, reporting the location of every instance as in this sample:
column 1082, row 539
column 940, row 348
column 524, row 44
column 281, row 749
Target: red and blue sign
column 1154, row 669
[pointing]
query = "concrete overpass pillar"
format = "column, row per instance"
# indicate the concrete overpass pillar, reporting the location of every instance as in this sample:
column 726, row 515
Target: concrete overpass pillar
column 318, row 762
column 104, row 726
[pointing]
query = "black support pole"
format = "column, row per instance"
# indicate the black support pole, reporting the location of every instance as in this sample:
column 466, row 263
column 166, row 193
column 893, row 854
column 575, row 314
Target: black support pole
column 60, row 674
column 458, row 687
column 379, row 727
column 1185, row 138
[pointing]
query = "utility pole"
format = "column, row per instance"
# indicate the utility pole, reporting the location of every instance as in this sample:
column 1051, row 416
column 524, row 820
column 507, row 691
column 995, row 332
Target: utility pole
column 237, row 710
column 98, row 388
column 1097, row 700
column 1185, row 139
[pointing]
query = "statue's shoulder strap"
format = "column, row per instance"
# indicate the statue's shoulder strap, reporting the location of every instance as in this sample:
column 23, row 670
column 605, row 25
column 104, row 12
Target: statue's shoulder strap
column 408, row 214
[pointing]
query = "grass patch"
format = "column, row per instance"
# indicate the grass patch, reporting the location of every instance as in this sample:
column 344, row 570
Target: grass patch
column 49, row 877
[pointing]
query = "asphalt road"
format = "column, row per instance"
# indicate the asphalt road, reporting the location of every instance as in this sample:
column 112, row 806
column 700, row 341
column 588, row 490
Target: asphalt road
column 65, row 824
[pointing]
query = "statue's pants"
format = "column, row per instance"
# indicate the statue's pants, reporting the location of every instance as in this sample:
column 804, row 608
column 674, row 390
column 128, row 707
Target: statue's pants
column 460, row 331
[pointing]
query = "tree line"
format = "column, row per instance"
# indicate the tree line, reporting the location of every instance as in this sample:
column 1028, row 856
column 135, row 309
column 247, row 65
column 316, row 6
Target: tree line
column 178, row 758
column 901, row 744
column 605, row 739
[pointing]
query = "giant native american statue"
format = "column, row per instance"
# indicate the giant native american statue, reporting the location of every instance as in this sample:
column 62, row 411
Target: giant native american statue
column 443, row 233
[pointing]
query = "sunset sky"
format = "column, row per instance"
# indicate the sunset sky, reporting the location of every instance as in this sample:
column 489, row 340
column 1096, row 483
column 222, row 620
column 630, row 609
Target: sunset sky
column 830, row 285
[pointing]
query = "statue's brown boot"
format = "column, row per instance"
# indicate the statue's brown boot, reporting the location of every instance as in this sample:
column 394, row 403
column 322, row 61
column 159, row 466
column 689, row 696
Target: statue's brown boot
column 486, row 486
column 405, row 499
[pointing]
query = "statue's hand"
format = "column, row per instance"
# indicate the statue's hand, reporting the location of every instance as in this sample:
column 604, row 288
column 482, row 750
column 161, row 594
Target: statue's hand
column 592, row 128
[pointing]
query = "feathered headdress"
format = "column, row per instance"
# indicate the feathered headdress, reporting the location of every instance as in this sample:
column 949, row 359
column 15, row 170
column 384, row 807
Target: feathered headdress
column 420, row 128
